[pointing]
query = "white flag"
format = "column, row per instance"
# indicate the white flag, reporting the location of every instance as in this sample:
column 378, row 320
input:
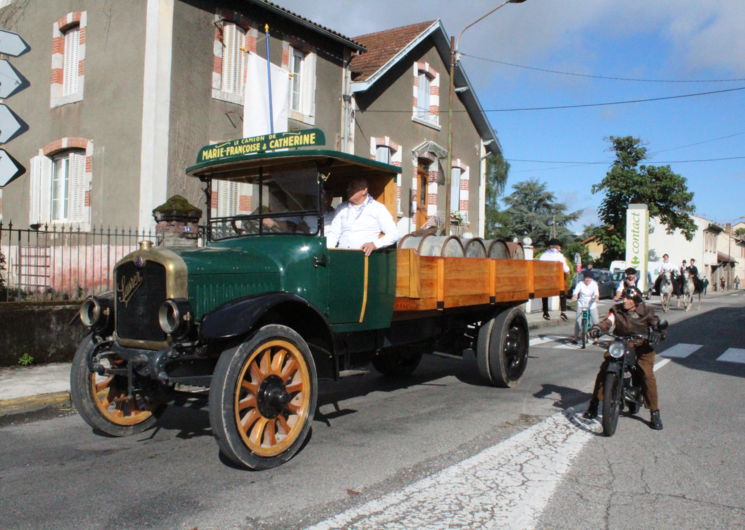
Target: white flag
column 256, row 99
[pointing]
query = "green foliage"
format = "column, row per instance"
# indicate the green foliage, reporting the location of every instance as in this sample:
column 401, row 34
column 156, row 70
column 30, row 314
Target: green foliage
column 577, row 247
column 497, row 169
column 532, row 210
column 26, row 360
column 664, row 192
column 740, row 232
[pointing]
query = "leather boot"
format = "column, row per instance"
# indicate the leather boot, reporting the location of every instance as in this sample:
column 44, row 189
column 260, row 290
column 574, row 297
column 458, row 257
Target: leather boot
column 656, row 421
column 592, row 410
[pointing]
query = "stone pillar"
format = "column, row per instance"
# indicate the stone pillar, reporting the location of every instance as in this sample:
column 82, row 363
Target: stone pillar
column 177, row 223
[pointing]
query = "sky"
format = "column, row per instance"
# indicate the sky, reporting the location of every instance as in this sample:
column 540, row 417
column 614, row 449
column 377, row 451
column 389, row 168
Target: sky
column 669, row 47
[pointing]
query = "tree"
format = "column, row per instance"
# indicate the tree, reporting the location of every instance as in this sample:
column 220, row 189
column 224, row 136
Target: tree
column 532, row 211
column 497, row 169
column 740, row 232
column 664, row 192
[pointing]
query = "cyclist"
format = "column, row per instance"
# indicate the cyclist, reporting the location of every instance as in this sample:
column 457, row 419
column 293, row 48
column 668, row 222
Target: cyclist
column 630, row 317
column 586, row 293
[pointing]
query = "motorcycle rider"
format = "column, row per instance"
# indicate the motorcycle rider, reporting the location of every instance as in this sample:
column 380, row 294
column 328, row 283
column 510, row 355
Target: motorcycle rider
column 631, row 316
column 627, row 283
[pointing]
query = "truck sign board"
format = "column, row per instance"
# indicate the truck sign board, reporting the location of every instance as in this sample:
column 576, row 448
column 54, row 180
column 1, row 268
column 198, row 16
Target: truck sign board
column 9, row 124
column 260, row 144
column 9, row 79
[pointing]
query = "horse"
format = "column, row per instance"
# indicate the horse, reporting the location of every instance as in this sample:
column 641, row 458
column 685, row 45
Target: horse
column 666, row 290
column 689, row 288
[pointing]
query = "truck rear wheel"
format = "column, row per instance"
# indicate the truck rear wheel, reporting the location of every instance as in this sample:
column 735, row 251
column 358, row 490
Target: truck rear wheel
column 263, row 398
column 502, row 348
column 103, row 401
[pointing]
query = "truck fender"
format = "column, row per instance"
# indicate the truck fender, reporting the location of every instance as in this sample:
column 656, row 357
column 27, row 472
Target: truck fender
column 239, row 316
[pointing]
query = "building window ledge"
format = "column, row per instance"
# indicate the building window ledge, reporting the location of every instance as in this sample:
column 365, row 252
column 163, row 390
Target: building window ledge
column 429, row 123
column 227, row 96
column 59, row 101
column 302, row 118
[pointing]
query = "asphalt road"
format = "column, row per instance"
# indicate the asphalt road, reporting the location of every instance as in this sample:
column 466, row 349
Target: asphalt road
column 374, row 438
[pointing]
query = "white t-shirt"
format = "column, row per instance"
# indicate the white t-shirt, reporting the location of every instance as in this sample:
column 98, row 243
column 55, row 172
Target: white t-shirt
column 553, row 254
column 355, row 225
column 668, row 267
column 587, row 295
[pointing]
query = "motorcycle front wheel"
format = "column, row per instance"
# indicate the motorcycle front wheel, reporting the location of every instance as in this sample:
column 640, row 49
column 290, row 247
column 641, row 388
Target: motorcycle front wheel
column 612, row 399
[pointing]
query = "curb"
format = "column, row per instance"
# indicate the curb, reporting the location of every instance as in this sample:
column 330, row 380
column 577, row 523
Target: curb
column 21, row 410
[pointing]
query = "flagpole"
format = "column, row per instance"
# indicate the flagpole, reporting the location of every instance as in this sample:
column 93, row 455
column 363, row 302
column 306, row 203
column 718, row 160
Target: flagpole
column 269, row 77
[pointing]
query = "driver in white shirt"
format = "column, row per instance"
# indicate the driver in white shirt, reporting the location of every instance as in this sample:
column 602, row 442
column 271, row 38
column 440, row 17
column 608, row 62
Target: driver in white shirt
column 360, row 220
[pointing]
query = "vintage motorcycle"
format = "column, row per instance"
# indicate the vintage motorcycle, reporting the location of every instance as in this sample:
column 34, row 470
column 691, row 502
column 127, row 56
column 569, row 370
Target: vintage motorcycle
column 623, row 378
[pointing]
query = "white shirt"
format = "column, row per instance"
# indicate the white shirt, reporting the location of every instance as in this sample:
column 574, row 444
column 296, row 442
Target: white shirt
column 553, row 254
column 668, row 267
column 587, row 295
column 354, row 225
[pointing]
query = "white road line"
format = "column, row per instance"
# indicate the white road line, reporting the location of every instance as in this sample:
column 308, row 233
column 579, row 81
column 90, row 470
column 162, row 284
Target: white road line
column 540, row 340
column 680, row 351
column 505, row 486
column 660, row 364
column 733, row 355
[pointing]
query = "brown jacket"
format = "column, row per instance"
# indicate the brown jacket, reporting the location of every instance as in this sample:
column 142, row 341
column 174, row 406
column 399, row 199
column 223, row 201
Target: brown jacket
column 630, row 322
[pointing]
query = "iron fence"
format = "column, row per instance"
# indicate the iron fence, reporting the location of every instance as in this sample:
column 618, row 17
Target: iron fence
column 55, row 263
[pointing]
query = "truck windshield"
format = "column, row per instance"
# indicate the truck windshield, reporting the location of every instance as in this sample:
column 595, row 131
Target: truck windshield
column 274, row 202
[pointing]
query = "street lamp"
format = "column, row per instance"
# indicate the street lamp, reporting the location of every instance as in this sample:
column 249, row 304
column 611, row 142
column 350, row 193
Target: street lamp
column 454, row 43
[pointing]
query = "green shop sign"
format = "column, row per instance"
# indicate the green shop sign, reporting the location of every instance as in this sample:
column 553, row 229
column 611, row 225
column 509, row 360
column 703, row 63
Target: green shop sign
column 260, row 144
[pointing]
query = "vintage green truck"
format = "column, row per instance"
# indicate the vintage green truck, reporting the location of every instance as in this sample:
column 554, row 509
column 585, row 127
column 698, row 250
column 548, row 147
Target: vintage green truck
column 263, row 309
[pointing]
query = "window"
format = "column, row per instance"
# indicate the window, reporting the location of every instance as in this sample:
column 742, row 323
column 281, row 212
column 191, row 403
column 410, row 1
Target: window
column 383, row 154
column 68, row 58
column 455, row 189
column 60, row 188
column 301, row 65
column 422, row 109
column 233, row 59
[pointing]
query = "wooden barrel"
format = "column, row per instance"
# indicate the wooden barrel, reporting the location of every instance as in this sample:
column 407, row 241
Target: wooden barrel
column 475, row 248
column 448, row 246
column 409, row 241
column 496, row 248
column 516, row 250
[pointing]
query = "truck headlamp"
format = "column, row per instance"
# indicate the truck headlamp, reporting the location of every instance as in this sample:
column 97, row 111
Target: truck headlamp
column 175, row 317
column 95, row 312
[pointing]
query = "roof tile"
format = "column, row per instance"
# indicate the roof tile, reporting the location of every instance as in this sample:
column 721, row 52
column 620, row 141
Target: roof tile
column 382, row 46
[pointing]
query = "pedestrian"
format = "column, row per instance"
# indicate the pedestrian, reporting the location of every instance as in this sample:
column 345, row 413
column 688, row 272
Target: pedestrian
column 721, row 283
column 705, row 284
column 553, row 253
column 737, row 282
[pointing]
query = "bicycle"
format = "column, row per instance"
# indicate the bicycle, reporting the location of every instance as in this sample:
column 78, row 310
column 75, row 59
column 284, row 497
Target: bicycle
column 585, row 323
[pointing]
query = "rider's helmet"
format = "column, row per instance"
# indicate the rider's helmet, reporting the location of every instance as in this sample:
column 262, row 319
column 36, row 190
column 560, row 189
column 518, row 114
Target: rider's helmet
column 633, row 294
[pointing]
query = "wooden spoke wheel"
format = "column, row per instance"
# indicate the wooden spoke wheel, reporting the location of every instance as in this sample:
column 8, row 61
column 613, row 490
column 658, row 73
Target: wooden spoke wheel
column 502, row 348
column 263, row 397
column 103, row 401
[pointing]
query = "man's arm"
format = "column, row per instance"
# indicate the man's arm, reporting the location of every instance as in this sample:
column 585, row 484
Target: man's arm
column 333, row 230
column 387, row 226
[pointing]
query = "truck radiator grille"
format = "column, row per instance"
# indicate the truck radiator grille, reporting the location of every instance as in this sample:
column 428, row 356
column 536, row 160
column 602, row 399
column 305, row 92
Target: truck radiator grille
column 139, row 293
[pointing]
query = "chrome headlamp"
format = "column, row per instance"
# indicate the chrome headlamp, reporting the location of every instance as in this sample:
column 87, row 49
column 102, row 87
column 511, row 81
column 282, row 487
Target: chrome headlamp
column 617, row 349
column 175, row 317
column 95, row 312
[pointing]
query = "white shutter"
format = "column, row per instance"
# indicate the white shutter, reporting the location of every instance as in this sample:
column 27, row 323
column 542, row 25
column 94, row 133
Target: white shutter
column 78, row 212
column 40, row 192
column 309, row 84
column 233, row 62
column 455, row 174
column 214, row 198
column 71, row 61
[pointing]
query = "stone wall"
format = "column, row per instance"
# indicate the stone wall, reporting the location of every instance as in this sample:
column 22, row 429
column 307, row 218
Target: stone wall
column 43, row 330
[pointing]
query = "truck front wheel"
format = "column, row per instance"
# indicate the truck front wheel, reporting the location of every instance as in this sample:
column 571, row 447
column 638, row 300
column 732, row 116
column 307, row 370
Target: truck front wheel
column 104, row 401
column 502, row 348
column 263, row 398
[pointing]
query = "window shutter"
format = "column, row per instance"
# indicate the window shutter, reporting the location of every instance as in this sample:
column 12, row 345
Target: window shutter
column 309, row 84
column 233, row 63
column 41, row 172
column 455, row 189
column 71, row 61
column 79, row 212
column 214, row 198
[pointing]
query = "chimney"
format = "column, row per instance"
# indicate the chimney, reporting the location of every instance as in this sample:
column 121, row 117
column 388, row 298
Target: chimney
column 728, row 228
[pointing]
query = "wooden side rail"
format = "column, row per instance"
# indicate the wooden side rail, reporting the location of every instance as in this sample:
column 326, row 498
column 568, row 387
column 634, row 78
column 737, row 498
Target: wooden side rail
column 425, row 283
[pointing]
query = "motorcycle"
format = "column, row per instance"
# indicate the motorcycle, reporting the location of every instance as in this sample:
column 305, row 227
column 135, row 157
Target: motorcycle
column 623, row 378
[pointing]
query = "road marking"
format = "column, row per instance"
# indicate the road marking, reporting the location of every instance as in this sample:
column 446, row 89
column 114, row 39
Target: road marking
column 680, row 350
column 540, row 340
column 660, row 364
column 733, row 355
column 505, row 486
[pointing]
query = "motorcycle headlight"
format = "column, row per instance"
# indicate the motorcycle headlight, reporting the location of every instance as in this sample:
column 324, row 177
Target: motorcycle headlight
column 95, row 312
column 174, row 317
column 616, row 350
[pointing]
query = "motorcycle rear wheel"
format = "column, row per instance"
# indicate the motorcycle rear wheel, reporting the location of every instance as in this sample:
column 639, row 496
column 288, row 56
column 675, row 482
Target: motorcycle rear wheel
column 612, row 403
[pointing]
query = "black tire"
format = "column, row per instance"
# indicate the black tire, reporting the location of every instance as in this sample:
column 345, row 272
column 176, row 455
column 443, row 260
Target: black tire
column 612, row 403
column 263, row 398
column 102, row 401
column 397, row 363
column 502, row 348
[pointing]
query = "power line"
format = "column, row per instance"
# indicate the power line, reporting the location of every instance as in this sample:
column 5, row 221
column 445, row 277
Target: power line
column 606, row 77
column 584, row 105
column 585, row 163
